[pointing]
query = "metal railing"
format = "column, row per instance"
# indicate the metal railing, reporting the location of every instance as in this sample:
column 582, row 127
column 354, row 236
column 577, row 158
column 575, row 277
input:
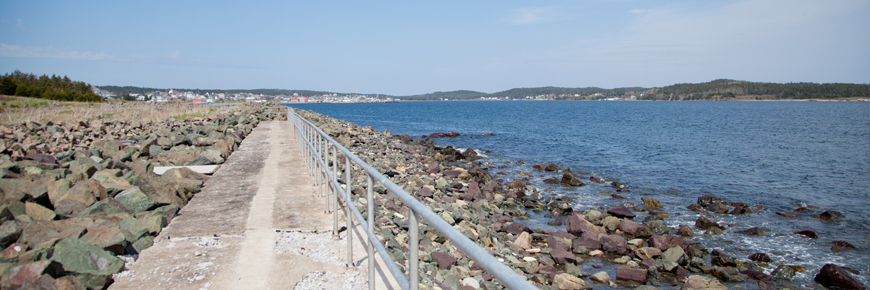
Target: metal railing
column 316, row 145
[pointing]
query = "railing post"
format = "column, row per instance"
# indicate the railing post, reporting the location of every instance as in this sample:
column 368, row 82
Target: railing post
column 348, row 203
column 335, row 188
column 305, row 147
column 370, row 211
column 324, row 187
column 320, row 168
column 413, row 250
column 326, row 171
column 312, row 153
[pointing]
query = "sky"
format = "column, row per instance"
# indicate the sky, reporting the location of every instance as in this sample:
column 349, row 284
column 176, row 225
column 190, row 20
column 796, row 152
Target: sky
column 404, row 48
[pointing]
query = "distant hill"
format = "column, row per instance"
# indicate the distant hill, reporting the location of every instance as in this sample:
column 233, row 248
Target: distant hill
column 564, row 93
column 454, row 95
column 725, row 89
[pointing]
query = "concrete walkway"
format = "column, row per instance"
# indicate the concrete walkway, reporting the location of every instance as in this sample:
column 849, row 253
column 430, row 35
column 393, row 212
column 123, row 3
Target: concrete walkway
column 257, row 224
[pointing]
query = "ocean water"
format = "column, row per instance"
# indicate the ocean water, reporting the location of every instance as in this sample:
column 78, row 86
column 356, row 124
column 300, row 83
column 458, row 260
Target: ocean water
column 780, row 155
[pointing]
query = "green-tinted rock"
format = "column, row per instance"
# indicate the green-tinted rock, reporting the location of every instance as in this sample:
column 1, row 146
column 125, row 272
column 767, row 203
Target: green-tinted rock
column 5, row 266
column 143, row 243
column 32, row 171
column 185, row 187
column 88, row 263
column 104, row 207
column 158, row 189
column 154, row 222
column 134, row 200
column 133, row 229
column 208, row 157
column 68, row 208
column 17, row 209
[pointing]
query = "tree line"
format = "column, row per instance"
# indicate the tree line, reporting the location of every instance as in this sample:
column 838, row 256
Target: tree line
column 729, row 89
column 45, row 87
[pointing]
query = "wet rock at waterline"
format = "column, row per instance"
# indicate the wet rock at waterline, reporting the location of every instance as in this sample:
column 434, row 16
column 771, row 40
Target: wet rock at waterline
column 492, row 210
column 834, row 276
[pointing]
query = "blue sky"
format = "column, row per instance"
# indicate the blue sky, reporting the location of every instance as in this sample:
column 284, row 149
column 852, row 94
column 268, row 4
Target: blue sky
column 409, row 47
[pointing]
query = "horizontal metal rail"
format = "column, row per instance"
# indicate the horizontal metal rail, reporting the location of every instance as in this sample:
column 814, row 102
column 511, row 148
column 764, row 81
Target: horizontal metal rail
column 315, row 145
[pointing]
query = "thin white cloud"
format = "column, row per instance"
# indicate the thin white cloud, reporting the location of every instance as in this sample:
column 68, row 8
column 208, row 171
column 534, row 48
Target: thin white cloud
column 758, row 40
column 637, row 11
column 173, row 55
column 20, row 24
column 10, row 50
column 532, row 15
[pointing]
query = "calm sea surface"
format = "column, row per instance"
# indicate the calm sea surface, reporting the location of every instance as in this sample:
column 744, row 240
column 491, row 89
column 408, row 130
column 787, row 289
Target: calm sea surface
column 782, row 155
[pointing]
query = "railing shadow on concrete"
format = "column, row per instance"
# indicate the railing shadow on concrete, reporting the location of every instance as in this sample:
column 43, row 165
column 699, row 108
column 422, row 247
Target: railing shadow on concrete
column 317, row 148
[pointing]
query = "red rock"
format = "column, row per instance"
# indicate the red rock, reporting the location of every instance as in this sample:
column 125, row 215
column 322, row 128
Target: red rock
column 631, row 274
column 621, row 212
column 13, row 251
column 659, row 242
column 444, row 261
column 629, row 227
column 559, row 243
column 473, row 189
column 833, row 276
column 564, row 234
column 517, row 228
column 68, row 283
column 425, row 192
column 577, row 225
column 30, row 273
column 614, row 244
column 587, row 240
column 562, row 256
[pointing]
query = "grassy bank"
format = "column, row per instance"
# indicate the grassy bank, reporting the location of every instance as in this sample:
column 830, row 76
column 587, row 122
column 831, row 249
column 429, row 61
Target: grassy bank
column 23, row 109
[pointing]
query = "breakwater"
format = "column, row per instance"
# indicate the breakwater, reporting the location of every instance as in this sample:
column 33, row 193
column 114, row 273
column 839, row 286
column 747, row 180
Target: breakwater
column 458, row 184
column 81, row 198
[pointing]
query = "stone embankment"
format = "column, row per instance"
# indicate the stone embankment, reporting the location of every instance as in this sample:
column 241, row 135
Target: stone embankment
column 487, row 209
column 81, row 198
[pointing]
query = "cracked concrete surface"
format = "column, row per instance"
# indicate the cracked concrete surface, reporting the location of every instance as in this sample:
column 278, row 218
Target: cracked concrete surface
column 257, row 224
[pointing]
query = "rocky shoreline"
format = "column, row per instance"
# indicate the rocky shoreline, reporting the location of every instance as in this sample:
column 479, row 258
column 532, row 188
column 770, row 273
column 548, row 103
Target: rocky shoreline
column 81, row 199
column 489, row 210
